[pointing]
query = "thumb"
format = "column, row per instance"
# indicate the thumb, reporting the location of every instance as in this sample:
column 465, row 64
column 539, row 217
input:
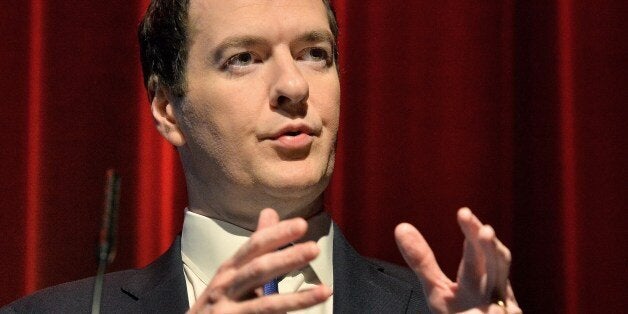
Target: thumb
column 419, row 256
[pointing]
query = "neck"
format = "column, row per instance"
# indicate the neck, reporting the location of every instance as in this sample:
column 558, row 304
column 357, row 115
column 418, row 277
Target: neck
column 242, row 209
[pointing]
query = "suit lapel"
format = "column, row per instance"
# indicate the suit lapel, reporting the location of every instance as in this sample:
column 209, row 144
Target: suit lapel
column 359, row 285
column 160, row 287
column 362, row 287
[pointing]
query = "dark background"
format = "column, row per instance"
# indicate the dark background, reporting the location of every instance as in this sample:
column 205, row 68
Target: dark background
column 513, row 108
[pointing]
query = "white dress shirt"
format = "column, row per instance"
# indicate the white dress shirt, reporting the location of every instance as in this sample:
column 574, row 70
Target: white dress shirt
column 206, row 243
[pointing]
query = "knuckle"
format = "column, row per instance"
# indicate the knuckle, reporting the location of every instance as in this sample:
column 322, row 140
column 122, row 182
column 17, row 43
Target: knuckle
column 255, row 242
column 221, row 280
column 507, row 256
column 255, row 237
column 303, row 252
column 255, row 269
column 489, row 232
column 214, row 294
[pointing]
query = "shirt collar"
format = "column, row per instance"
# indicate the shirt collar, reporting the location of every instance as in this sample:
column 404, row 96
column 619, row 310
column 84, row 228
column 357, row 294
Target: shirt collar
column 207, row 242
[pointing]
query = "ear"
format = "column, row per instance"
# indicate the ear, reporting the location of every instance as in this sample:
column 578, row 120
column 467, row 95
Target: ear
column 162, row 107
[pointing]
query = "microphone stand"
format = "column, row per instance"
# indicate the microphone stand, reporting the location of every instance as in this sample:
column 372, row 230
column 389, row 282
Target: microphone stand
column 107, row 241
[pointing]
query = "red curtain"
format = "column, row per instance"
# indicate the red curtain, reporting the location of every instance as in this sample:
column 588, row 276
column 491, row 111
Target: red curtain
column 514, row 108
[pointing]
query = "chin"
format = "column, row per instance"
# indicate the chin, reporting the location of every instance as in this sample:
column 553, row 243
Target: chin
column 298, row 183
column 297, row 178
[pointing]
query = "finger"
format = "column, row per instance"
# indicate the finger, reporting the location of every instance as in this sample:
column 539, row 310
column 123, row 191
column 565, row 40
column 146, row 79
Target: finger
column 470, row 226
column 267, row 217
column 498, row 263
column 504, row 259
column 272, row 265
column 469, row 269
column 486, row 238
column 281, row 303
column 419, row 256
column 268, row 239
column 473, row 265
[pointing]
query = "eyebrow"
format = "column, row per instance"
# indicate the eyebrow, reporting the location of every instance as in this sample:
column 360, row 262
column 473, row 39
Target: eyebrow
column 317, row 36
column 249, row 41
column 236, row 42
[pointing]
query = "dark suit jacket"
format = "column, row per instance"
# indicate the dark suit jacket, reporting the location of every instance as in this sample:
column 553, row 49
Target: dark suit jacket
column 360, row 286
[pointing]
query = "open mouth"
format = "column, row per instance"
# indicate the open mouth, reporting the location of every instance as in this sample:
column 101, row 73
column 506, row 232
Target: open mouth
column 293, row 133
column 290, row 134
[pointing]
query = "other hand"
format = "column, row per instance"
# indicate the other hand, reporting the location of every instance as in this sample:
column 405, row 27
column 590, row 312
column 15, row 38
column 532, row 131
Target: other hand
column 482, row 278
column 236, row 287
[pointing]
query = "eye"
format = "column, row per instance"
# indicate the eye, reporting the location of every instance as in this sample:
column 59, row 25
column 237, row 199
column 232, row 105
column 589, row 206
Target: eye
column 317, row 54
column 239, row 61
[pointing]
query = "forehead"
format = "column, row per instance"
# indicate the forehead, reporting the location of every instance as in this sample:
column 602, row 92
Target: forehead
column 216, row 19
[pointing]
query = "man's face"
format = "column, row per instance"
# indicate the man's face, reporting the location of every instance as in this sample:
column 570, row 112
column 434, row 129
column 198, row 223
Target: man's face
column 260, row 114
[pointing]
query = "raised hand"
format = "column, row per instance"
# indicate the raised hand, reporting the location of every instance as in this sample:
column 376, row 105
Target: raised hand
column 236, row 286
column 482, row 284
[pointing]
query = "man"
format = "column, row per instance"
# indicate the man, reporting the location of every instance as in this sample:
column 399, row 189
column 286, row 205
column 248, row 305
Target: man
column 248, row 91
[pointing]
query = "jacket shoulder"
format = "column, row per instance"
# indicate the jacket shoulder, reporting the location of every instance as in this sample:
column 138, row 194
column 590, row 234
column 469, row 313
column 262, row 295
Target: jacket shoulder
column 366, row 285
column 70, row 297
column 157, row 288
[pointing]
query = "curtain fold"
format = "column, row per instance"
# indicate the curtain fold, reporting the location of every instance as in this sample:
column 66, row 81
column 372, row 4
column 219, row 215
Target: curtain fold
column 513, row 108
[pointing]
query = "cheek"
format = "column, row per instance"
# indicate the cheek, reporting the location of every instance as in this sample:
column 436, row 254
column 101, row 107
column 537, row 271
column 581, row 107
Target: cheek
column 227, row 114
column 330, row 110
column 238, row 105
column 329, row 87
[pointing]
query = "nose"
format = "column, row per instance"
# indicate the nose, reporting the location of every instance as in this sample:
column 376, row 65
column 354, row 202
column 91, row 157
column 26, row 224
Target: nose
column 290, row 90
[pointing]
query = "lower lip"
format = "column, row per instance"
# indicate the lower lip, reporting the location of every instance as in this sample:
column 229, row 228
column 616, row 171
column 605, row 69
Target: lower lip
column 300, row 141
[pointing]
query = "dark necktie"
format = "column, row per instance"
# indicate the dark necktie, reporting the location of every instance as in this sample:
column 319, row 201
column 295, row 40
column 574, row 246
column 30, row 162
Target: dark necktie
column 271, row 287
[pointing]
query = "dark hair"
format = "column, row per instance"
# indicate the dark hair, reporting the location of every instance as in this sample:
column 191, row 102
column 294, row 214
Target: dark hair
column 163, row 42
